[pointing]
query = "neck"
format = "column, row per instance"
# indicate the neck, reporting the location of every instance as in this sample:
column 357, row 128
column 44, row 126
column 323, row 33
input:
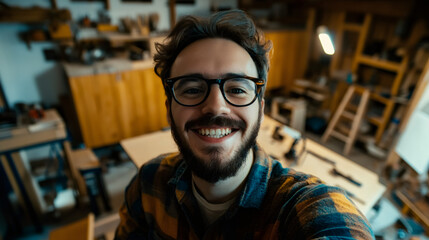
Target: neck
column 224, row 190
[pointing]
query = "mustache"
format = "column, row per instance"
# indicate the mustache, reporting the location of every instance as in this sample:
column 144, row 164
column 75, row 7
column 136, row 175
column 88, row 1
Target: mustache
column 221, row 121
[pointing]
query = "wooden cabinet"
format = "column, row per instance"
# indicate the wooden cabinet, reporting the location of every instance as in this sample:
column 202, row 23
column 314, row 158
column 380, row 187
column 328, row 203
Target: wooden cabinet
column 114, row 106
column 288, row 58
column 289, row 54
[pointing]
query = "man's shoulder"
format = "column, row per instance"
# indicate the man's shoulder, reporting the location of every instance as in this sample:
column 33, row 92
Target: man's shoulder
column 166, row 159
column 297, row 186
column 287, row 178
column 162, row 166
column 293, row 196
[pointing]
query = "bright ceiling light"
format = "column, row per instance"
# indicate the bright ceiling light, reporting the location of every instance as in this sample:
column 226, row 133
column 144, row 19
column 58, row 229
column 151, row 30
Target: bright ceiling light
column 325, row 40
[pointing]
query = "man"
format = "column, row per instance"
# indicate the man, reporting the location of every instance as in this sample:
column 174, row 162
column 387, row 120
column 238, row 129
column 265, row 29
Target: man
column 222, row 185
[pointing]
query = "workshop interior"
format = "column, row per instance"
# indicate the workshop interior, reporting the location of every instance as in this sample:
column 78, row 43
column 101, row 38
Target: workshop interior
column 347, row 100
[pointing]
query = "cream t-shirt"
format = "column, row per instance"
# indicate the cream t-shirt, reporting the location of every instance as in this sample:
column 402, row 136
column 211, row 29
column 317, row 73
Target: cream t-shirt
column 211, row 211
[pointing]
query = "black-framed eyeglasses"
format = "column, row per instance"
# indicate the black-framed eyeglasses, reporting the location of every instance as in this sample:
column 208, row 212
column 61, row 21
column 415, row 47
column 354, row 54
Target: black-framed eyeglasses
column 237, row 90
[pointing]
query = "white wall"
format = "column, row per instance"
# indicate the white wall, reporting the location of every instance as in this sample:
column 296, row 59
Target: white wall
column 27, row 77
column 413, row 145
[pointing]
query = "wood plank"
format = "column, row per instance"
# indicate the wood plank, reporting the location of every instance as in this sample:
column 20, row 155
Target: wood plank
column 348, row 115
column 106, row 226
column 420, row 88
column 394, row 158
column 33, row 15
column 399, row 76
column 356, row 122
column 393, row 8
column 150, row 91
column 104, row 93
column 79, row 97
column 379, row 63
column 172, row 11
column 125, row 108
column 136, row 85
column 419, row 208
column 339, row 135
column 379, row 98
column 53, row 4
column 375, row 120
column 287, row 58
column 96, row 106
column 160, row 101
column 338, row 43
column 385, row 120
column 115, row 106
column 336, row 116
column 361, row 42
column 82, row 229
column 353, row 27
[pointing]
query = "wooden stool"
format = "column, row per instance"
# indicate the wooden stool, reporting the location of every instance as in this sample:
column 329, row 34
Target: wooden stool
column 87, row 174
column 297, row 107
column 82, row 229
column 348, row 112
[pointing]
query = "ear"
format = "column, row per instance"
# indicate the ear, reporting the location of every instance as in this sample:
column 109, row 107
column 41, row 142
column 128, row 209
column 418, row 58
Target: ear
column 167, row 106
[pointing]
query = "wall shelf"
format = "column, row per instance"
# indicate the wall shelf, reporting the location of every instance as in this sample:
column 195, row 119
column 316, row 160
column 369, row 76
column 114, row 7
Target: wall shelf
column 33, row 15
column 353, row 27
column 379, row 63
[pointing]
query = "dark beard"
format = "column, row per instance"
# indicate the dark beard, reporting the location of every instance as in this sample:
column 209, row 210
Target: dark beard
column 215, row 171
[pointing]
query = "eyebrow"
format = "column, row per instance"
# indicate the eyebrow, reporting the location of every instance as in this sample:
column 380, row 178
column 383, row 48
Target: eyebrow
column 181, row 84
column 200, row 75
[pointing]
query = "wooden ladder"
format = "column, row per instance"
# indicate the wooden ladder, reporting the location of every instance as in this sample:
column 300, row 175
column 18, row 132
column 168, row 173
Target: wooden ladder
column 349, row 112
column 360, row 59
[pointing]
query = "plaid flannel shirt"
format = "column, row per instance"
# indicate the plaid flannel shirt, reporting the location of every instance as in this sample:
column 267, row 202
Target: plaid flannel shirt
column 276, row 203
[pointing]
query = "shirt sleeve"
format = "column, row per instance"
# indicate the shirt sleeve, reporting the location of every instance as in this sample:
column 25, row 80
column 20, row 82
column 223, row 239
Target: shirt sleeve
column 324, row 212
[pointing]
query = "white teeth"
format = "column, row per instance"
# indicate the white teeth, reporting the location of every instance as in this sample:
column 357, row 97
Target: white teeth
column 215, row 133
column 218, row 132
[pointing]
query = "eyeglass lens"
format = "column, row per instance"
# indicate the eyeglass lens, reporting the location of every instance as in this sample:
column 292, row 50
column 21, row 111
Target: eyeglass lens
column 193, row 91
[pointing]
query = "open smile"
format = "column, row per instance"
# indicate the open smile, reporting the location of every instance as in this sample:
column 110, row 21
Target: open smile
column 214, row 132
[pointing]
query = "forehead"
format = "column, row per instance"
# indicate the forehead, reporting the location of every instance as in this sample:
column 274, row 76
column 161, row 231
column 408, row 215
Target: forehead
column 213, row 57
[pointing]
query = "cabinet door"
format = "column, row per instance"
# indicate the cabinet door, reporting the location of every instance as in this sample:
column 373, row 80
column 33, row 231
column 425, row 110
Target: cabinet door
column 287, row 58
column 97, row 108
column 141, row 103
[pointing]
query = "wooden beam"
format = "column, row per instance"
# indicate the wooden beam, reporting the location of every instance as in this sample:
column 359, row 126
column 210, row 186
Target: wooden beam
column 393, row 8
column 33, row 15
column 107, row 4
column 54, row 4
column 172, row 6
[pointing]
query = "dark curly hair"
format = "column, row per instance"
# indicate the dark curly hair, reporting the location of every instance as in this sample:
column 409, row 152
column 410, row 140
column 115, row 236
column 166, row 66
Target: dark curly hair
column 233, row 25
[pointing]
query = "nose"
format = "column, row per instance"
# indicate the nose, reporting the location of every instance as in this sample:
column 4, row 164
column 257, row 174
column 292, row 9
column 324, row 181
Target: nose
column 215, row 103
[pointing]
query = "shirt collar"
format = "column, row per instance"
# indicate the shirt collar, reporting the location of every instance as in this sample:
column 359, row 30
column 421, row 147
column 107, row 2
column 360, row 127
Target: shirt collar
column 257, row 182
column 255, row 188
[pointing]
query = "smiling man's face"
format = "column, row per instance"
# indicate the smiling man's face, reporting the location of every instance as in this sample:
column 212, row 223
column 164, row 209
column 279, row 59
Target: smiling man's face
column 214, row 137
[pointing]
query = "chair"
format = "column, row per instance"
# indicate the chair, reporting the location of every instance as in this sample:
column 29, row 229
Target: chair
column 82, row 229
column 87, row 174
